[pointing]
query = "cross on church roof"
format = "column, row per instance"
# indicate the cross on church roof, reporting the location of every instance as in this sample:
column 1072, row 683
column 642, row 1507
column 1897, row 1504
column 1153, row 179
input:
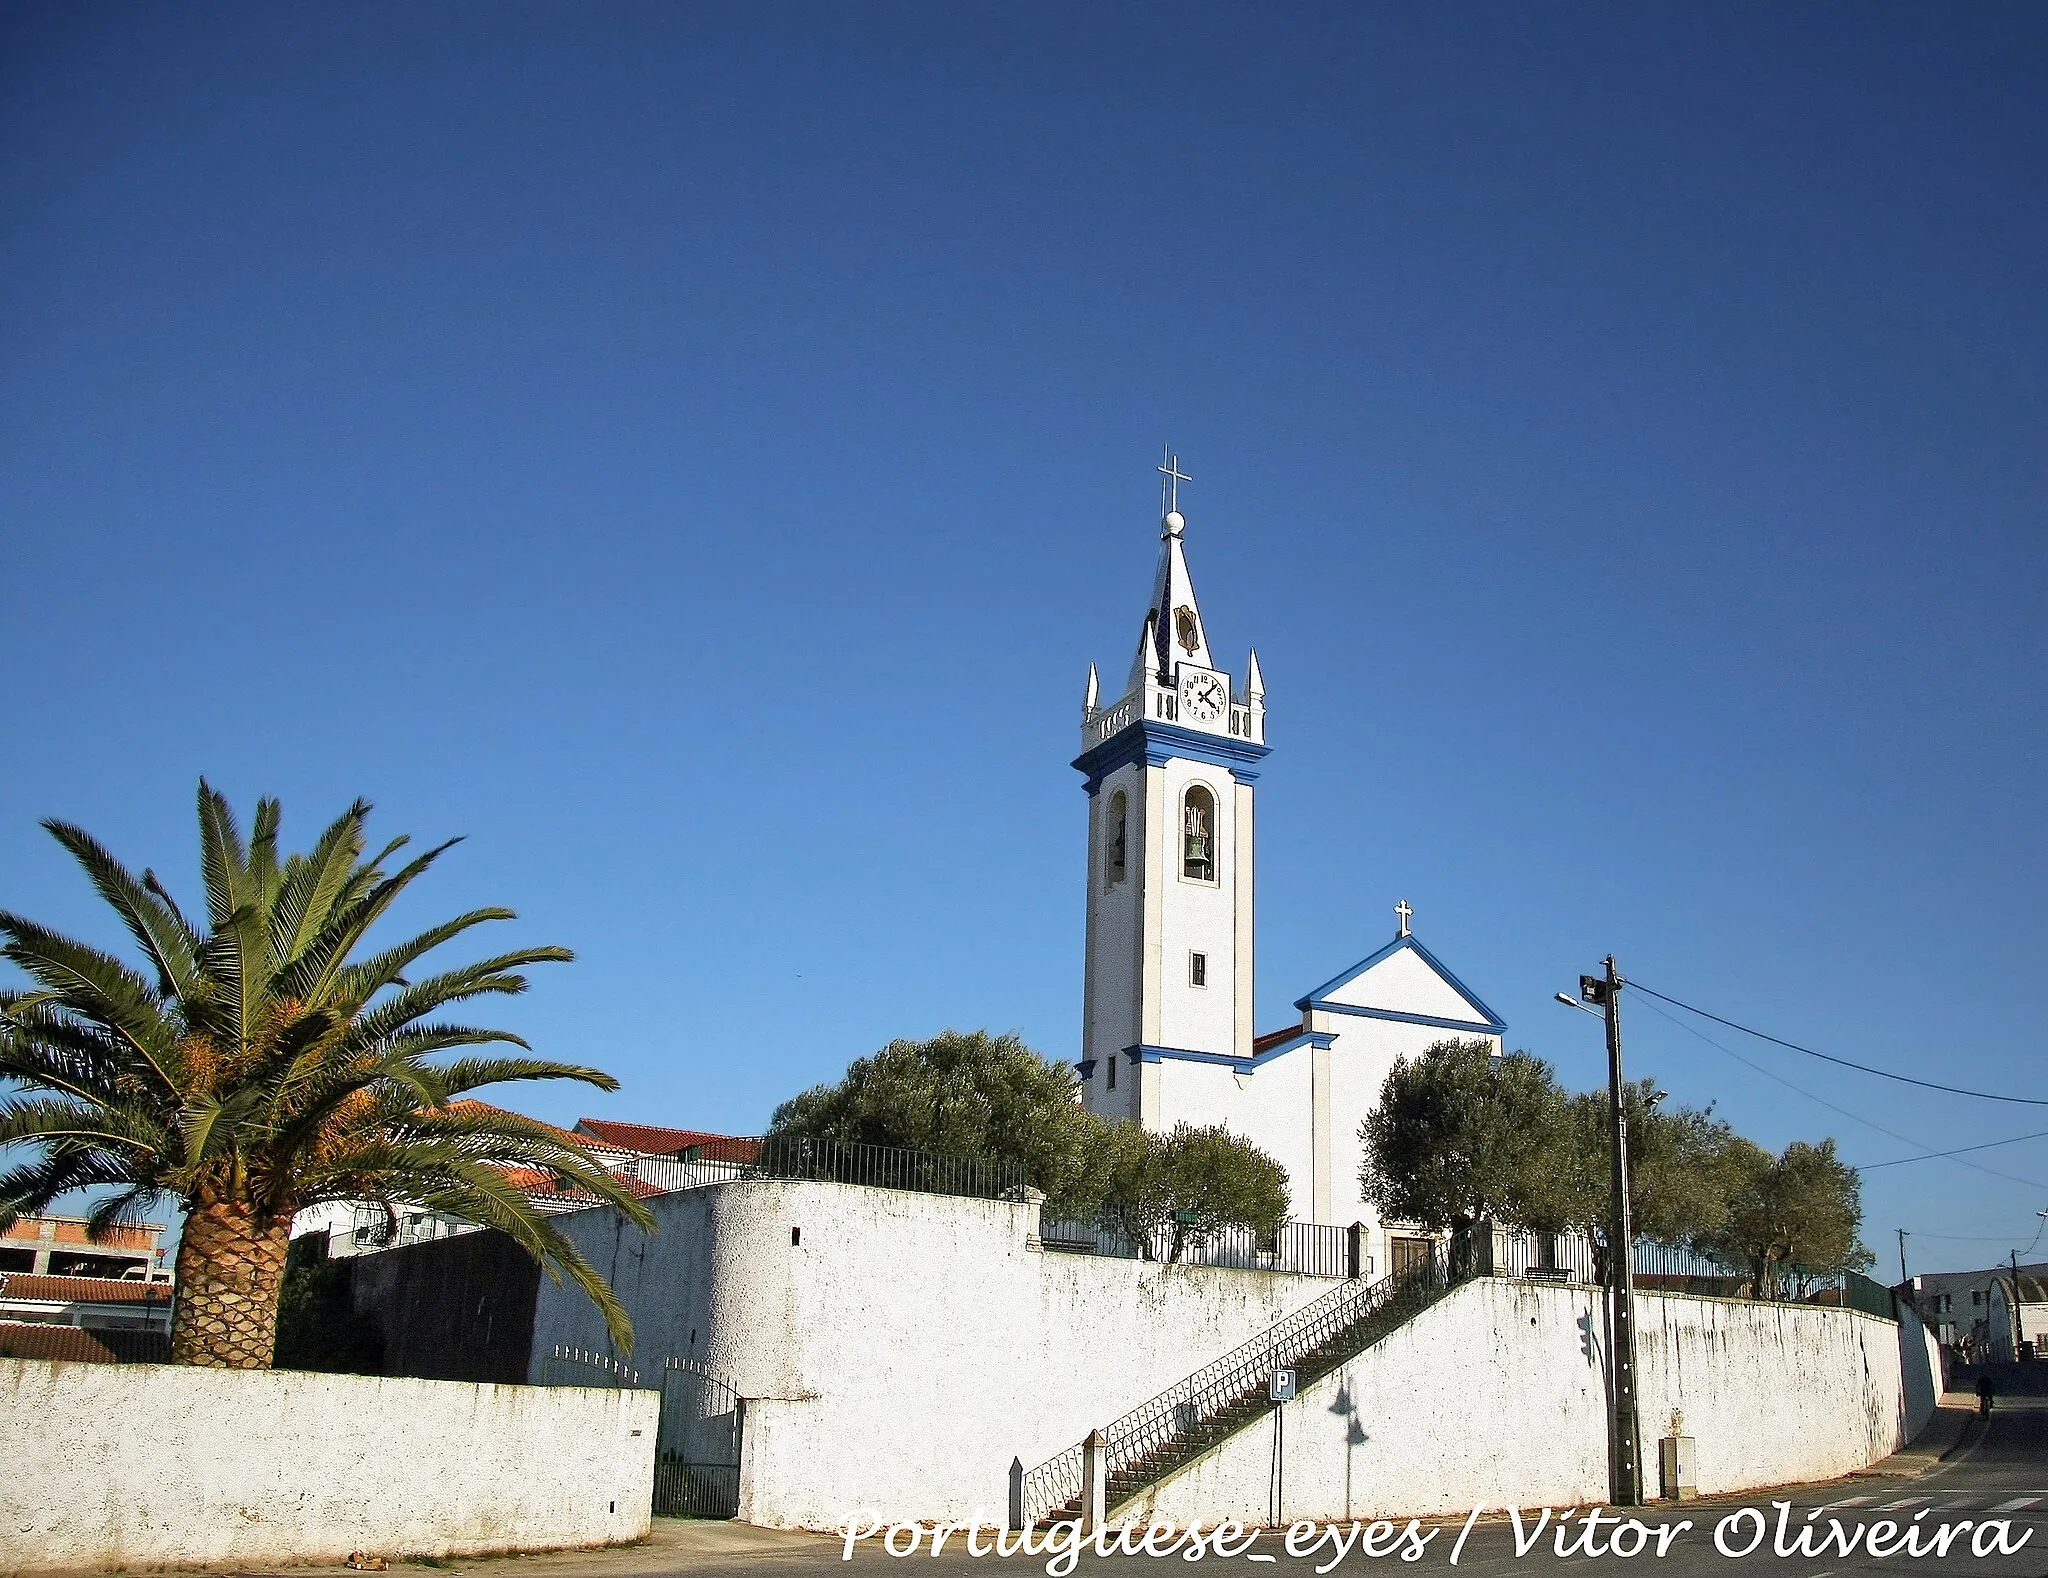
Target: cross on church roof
column 1169, row 488
column 1401, row 913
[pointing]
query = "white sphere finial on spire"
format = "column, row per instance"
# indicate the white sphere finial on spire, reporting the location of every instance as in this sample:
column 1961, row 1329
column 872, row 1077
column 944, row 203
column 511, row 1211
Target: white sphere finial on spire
column 1174, row 524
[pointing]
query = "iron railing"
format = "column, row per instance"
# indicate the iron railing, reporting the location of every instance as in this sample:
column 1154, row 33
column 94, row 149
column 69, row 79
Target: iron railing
column 799, row 1158
column 1310, row 1249
column 565, row 1366
column 1672, row 1268
column 1310, row 1341
column 1572, row 1257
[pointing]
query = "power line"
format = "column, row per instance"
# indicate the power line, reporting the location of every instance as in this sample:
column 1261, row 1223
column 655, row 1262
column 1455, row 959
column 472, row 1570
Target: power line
column 1853, row 1117
column 1988, row 1145
column 1829, row 1057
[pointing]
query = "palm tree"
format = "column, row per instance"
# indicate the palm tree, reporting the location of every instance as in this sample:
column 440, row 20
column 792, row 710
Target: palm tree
column 257, row 1067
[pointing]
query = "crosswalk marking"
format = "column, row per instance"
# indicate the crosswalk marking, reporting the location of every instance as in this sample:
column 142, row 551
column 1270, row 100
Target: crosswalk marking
column 1852, row 1501
column 1903, row 1501
column 2015, row 1504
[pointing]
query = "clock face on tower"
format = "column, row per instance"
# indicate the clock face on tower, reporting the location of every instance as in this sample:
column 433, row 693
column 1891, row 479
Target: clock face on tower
column 1202, row 696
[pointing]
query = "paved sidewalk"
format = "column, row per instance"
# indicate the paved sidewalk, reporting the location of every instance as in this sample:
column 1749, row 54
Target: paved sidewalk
column 1946, row 1432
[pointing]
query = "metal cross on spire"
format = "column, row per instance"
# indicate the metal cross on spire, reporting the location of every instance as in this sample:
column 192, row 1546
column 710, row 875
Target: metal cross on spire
column 1402, row 913
column 1169, row 487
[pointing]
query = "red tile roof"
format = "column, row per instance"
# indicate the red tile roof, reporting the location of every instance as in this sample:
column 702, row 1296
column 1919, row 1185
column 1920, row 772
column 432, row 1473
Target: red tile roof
column 26, row 1340
column 652, row 1140
column 580, row 1141
column 82, row 1290
column 532, row 1180
column 81, row 1345
column 1273, row 1038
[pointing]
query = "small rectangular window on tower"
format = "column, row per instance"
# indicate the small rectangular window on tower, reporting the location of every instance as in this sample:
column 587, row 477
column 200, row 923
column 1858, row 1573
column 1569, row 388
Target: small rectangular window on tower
column 1198, row 969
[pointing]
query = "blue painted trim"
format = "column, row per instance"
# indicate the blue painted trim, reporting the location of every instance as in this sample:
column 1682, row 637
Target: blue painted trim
column 1145, row 1054
column 1155, row 744
column 1237, row 1065
column 1477, row 1027
column 1085, row 1068
column 1316, row 999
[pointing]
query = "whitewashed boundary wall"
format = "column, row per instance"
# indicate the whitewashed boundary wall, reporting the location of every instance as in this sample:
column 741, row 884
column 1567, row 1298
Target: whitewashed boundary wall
column 140, row 1466
column 897, row 1350
column 1496, row 1395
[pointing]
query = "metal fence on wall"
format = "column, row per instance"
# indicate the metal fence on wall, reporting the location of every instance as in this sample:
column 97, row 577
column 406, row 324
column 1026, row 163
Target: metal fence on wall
column 1310, row 1249
column 1668, row 1268
column 585, row 1367
column 836, row 1161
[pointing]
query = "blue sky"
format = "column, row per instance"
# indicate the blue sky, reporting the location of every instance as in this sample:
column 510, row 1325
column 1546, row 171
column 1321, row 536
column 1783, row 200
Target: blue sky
column 695, row 453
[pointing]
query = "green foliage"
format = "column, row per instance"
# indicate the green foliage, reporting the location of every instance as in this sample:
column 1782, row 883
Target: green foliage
column 1177, row 1188
column 969, row 1093
column 1461, row 1136
column 1679, row 1173
column 263, row 1060
column 961, row 1093
column 318, row 1327
column 1799, row 1213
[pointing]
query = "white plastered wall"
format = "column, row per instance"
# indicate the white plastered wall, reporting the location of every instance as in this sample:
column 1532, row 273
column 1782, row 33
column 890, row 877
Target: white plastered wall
column 1362, row 1055
column 1270, row 1107
column 1114, row 964
column 122, row 1465
column 907, row 1346
column 1199, row 917
column 1495, row 1396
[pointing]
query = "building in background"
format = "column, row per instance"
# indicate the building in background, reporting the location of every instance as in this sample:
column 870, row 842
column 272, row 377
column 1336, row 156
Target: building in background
column 58, row 1246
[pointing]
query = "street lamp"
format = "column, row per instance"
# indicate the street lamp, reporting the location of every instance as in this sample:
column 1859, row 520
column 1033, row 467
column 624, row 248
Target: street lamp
column 1601, row 994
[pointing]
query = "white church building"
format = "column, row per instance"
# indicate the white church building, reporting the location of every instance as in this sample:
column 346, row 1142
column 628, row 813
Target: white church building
column 1171, row 768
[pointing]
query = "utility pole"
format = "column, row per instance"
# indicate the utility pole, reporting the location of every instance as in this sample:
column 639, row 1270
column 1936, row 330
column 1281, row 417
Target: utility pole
column 1625, row 1446
column 1905, row 1282
column 2018, row 1325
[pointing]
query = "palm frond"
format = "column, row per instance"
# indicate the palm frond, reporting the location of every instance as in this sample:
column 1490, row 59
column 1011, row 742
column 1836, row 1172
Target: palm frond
column 150, row 919
column 98, row 987
column 349, row 922
column 479, row 1192
column 475, row 1072
column 263, row 868
column 61, row 1122
column 119, row 1210
column 222, row 860
column 359, row 982
column 50, row 1051
column 314, row 881
column 495, row 976
column 29, row 1189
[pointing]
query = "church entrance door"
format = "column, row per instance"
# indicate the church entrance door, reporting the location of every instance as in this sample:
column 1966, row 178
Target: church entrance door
column 1405, row 1254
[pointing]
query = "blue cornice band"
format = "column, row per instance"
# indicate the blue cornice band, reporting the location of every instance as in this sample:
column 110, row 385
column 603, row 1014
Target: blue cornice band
column 1475, row 1026
column 1155, row 744
column 1237, row 1065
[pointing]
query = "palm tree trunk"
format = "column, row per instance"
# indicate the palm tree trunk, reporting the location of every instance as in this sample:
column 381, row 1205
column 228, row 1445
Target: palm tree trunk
column 230, row 1272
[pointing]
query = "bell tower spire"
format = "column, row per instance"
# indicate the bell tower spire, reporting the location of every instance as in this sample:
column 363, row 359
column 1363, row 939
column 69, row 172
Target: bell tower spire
column 1169, row 767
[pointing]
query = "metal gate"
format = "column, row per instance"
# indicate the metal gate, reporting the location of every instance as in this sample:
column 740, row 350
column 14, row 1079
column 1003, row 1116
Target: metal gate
column 697, row 1447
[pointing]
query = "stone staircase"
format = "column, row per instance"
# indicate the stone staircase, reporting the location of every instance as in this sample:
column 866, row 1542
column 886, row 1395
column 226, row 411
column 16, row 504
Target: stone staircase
column 1197, row 1413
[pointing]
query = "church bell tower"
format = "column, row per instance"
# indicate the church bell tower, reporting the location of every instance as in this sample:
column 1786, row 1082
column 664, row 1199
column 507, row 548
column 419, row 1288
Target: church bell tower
column 1168, row 767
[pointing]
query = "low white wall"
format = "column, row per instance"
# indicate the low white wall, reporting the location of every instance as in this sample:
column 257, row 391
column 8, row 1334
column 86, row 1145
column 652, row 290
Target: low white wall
column 1496, row 1395
column 116, row 1465
column 905, row 1347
